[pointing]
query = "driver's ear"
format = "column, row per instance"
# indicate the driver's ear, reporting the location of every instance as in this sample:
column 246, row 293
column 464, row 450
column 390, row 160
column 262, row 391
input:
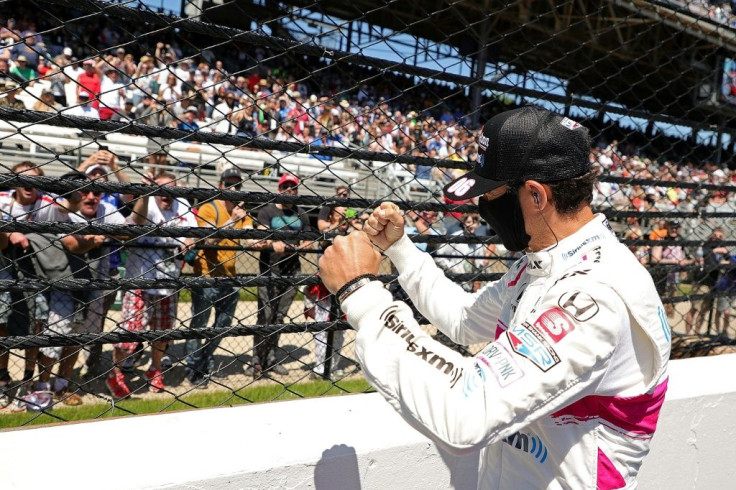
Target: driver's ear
column 537, row 192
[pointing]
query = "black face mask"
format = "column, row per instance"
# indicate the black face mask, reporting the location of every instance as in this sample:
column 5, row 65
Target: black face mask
column 504, row 216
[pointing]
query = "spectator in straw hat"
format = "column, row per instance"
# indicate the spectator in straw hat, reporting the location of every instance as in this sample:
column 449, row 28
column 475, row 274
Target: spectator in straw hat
column 11, row 91
column 47, row 103
column 23, row 69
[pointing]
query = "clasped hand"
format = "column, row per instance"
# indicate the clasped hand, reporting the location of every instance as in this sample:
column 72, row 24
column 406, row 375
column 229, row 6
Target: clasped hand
column 353, row 255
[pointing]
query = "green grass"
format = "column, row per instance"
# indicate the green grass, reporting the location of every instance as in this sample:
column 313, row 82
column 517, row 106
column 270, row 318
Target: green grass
column 245, row 294
column 265, row 393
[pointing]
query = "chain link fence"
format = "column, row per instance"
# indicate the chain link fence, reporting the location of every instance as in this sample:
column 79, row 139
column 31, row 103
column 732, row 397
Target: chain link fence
column 172, row 172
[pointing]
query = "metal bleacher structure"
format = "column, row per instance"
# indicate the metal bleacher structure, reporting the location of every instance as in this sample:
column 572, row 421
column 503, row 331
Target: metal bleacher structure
column 58, row 150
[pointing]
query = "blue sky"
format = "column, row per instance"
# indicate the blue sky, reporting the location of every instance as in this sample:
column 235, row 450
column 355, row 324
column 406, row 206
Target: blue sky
column 168, row 5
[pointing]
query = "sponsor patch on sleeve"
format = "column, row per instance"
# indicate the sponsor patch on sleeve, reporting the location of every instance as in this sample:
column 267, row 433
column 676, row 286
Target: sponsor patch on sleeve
column 581, row 306
column 526, row 341
column 555, row 323
column 498, row 360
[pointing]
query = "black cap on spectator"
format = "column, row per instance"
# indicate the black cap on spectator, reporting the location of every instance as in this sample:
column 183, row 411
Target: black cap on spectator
column 231, row 173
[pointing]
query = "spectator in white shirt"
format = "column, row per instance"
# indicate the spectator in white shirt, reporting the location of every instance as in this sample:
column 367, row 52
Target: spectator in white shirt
column 84, row 108
column 112, row 94
column 221, row 115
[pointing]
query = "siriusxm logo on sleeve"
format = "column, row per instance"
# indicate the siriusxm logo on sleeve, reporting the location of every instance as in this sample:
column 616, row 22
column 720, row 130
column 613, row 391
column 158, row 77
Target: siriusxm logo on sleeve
column 570, row 253
column 394, row 323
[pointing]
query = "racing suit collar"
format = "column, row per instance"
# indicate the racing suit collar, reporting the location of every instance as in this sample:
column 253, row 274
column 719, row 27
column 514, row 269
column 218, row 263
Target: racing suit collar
column 544, row 262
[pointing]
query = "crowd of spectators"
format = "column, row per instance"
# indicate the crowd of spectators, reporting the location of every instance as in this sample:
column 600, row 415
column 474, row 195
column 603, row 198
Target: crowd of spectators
column 718, row 10
column 161, row 85
column 165, row 87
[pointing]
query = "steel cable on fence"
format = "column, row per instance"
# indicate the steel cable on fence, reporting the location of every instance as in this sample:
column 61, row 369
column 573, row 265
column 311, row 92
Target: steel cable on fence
column 142, row 24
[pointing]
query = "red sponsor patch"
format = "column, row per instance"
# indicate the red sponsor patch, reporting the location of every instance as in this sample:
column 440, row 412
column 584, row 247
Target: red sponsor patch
column 555, row 324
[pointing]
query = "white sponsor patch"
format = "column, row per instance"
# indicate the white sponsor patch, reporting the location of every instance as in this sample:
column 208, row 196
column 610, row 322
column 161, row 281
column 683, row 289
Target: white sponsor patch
column 483, row 142
column 569, row 123
column 498, row 359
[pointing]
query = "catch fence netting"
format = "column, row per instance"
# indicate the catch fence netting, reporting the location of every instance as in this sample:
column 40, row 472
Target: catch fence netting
column 171, row 177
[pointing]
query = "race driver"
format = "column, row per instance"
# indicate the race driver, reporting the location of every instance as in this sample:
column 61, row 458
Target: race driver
column 568, row 389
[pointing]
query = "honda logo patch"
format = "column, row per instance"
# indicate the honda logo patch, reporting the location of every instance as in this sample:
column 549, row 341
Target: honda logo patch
column 578, row 305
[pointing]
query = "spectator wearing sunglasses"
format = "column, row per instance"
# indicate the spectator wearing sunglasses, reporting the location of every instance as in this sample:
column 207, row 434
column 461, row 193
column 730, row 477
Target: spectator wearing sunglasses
column 101, row 165
column 281, row 259
column 52, row 257
column 215, row 262
column 323, row 220
column 93, row 209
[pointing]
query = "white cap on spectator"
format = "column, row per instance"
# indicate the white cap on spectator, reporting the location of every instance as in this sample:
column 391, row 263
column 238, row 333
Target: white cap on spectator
column 191, row 108
column 67, row 51
column 105, row 169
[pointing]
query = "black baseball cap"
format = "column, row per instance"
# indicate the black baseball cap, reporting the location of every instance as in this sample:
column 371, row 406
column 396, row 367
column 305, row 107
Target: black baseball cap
column 523, row 144
column 231, row 173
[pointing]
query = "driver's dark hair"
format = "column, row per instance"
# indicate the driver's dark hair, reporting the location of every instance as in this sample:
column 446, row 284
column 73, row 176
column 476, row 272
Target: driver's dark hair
column 569, row 195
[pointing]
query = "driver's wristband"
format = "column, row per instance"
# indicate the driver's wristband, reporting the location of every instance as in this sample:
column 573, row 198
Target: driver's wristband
column 353, row 285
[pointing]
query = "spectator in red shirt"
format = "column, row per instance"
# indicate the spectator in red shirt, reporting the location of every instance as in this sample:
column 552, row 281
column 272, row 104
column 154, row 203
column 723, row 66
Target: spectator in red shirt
column 89, row 81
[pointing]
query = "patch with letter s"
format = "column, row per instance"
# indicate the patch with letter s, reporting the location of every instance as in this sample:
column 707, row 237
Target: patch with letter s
column 526, row 341
column 555, row 323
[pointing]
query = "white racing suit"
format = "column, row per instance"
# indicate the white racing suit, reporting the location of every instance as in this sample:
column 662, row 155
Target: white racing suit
column 568, row 390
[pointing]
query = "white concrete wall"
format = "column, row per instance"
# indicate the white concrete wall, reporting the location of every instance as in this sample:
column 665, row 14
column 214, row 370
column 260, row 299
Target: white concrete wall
column 349, row 442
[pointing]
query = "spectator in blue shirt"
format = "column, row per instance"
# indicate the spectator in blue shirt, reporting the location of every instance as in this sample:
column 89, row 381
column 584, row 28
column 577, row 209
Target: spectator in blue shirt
column 189, row 124
column 323, row 140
